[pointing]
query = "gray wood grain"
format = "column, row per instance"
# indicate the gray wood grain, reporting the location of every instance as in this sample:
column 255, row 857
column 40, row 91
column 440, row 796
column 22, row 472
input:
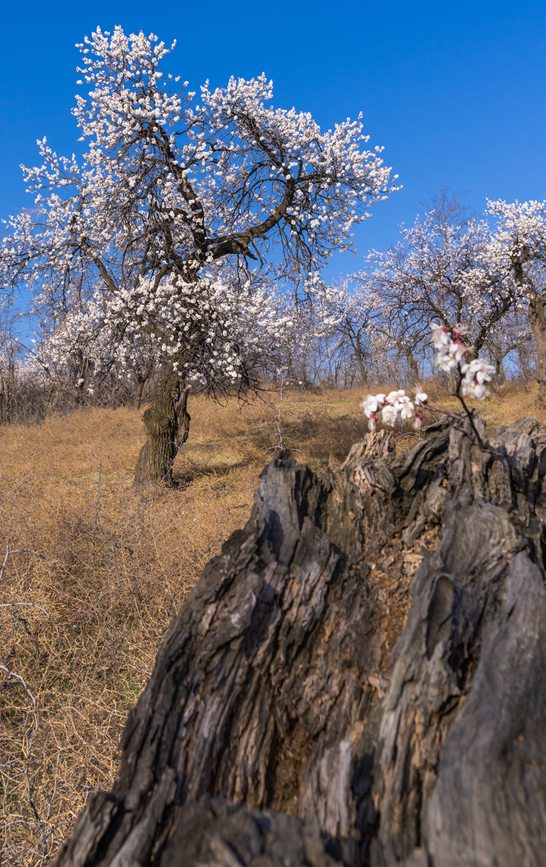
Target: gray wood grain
column 279, row 726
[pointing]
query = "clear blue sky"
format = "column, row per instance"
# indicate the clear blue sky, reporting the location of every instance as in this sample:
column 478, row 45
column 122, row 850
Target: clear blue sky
column 455, row 92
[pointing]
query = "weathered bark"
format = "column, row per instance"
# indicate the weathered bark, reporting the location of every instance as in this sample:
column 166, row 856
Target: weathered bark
column 355, row 339
column 536, row 315
column 363, row 370
column 412, row 365
column 140, row 382
column 537, row 321
column 167, row 425
column 278, row 688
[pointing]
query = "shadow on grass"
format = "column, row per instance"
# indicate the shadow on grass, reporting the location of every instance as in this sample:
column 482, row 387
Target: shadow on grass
column 184, row 477
column 313, row 436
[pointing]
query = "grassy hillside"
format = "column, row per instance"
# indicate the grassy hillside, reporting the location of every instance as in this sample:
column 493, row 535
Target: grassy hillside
column 91, row 573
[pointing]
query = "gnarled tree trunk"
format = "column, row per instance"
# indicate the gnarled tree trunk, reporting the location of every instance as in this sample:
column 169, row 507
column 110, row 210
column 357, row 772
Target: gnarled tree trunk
column 413, row 367
column 358, row 679
column 537, row 321
column 167, row 425
column 536, row 314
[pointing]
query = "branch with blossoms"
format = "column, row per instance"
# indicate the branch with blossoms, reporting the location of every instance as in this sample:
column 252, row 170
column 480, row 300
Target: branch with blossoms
column 473, row 378
column 394, row 407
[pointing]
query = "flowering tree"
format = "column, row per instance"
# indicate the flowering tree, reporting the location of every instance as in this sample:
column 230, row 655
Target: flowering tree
column 176, row 219
column 516, row 258
column 355, row 312
column 329, row 338
column 489, row 273
column 440, row 270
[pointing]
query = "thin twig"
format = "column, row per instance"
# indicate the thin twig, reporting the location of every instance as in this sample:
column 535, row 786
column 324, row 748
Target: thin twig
column 9, row 553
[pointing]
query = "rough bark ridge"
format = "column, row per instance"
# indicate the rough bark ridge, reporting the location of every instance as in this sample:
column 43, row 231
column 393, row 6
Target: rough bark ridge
column 278, row 688
column 537, row 321
column 167, row 425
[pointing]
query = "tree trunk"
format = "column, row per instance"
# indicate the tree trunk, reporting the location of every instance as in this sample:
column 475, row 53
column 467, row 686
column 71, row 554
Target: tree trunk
column 412, row 365
column 537, row 321
column 361, row 366
column 500, row 373
column 167, row 425
column 354, row 339
column 139, row 391
column 360, row 674
column 524, row 361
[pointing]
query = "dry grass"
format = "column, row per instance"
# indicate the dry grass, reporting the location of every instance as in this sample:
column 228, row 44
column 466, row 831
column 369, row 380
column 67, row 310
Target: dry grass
column 507, row 403
column 93, row 572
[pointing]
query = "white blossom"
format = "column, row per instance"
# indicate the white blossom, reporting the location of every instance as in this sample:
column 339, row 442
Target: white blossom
column 372, row 404
column 449, row 345
column 476, row 375
column 418, row 421
column 395, row 406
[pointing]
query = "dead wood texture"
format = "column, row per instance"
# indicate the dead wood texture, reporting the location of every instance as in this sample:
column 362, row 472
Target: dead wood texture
column 359, row 678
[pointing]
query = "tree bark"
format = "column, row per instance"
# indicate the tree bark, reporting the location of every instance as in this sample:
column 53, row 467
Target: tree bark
column 139, row 391
column 355, row 341
column 537, row 318
column 537, row 321
column 357, row 679
column 361, row 365
column 167, row 425
column 500, row 372
column 412, row 365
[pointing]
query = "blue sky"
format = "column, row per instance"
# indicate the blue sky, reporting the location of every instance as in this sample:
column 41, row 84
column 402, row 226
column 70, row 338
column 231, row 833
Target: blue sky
column 455, row 92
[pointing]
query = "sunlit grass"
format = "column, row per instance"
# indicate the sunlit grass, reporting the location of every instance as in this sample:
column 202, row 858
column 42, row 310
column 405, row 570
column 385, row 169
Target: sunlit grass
column 101, row 570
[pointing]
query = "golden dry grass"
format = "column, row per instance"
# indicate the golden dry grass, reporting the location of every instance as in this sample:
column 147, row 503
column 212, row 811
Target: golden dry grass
column 93, row 572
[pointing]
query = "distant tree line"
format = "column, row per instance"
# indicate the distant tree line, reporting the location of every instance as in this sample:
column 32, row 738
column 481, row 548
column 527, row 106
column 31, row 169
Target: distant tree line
column 373, row 327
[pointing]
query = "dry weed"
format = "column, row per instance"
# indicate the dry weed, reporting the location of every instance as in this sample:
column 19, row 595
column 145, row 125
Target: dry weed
column 92, row 572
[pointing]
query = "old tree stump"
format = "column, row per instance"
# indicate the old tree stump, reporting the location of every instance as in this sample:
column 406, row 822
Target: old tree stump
column 359, row 678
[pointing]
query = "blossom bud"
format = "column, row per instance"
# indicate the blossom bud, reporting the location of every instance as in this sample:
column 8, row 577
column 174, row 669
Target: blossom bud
column 418, row 420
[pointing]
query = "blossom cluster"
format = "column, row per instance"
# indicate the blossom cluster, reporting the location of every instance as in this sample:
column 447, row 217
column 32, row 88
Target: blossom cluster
column 213, row 331
column 476, row 375
column 394, row 406
column 450, row 351
column 449, row 345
